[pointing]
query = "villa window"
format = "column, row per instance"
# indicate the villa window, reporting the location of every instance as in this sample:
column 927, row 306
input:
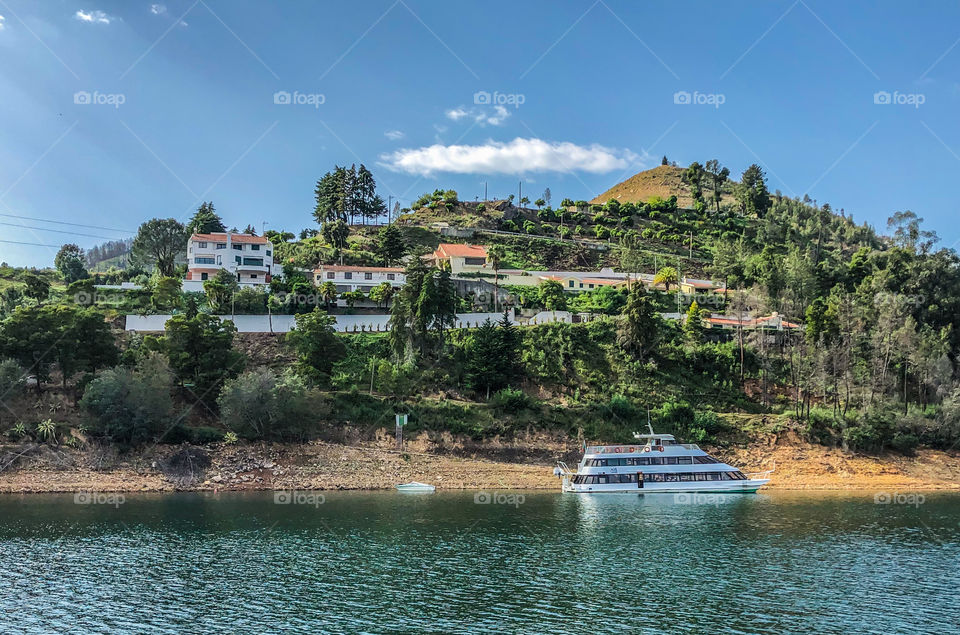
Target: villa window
column 204, row 260
column 253, row 276
column 367, row 275
column 331, row 275
column 269, row 253
column 238, row 247
column 221, row 245
column 348, row 275
column 256, row 262
column 255, row 247
column 204, row 276
column 239, row 259
column 391, row 276
column 202, row 245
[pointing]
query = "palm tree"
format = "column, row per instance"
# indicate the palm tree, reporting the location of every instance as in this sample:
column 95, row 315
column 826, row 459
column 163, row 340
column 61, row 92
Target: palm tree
column 665, row 276
column 328, row 292
column 495, row 256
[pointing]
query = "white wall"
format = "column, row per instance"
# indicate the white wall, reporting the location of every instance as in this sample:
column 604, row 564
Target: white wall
column 283, row 323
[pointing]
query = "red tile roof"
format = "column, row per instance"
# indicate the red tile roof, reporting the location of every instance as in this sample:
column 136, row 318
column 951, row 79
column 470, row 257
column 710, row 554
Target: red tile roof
column 236, row 238
column 455, row 250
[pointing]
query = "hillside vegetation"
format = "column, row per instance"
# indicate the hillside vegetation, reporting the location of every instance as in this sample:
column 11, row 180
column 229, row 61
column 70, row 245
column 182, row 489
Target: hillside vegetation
column 872, row 368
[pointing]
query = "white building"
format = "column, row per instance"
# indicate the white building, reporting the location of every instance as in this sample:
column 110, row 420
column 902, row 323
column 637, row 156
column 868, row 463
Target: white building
column 357, row 278
column 249, row 258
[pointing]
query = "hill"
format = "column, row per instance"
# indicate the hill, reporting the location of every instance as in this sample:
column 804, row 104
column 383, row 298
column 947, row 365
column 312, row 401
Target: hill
column 663, row 181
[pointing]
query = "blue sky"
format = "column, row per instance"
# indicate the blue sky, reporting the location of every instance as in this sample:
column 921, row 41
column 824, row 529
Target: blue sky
column 582, row 95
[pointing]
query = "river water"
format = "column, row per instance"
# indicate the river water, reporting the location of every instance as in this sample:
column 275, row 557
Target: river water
column 468, row 563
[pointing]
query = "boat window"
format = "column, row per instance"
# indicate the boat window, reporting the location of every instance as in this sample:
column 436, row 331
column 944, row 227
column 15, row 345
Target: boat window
column 740, row 475
column 670, row 460
column 686, row 476
column 602, row 479
column 671, row 478
column 684, row 460
column 705, row 459
column 656, row 461
column 701, row 476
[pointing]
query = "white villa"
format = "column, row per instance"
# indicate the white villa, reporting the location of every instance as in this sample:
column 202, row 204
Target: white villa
column 357, row 278
column 249, row 258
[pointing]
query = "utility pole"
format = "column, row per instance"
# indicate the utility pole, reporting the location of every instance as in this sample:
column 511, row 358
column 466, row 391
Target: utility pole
column 485, row 199
column 519, row 192
column 390, row 204
column 691, row 245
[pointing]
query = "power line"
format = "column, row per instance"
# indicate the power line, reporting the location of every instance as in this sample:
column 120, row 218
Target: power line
column 18, row 242
column 59, row 231
column 60, row 222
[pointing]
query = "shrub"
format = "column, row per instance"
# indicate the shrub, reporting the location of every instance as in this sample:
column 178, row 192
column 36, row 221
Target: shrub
column 905, row 443
column 261, row 404
column 510, row 400
column 130, row 407
column 11, row 379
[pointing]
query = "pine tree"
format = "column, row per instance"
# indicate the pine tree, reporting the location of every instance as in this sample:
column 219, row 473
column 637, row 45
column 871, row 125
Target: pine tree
column 205, row 220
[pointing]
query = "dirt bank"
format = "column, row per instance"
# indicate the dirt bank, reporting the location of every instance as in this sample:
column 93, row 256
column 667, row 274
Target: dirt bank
column 441, row 460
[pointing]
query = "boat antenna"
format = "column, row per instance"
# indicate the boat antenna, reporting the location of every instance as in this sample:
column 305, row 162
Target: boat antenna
column 649, row 425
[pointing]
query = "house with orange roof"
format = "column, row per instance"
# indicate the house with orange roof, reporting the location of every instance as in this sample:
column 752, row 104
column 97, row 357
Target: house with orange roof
column 459, row 257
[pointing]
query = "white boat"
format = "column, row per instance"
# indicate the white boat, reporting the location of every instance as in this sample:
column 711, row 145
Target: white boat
column 414, row 486
column 657, row 465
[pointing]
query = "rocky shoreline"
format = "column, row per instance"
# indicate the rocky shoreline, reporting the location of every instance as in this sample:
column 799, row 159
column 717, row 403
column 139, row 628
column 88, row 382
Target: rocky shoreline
column 527, row 464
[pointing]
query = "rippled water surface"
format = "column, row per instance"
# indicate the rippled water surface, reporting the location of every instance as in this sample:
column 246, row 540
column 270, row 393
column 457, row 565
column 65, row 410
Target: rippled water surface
column 391, row 562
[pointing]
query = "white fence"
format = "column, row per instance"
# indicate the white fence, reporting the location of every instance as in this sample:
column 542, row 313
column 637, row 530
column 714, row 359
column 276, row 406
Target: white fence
column 284, row 323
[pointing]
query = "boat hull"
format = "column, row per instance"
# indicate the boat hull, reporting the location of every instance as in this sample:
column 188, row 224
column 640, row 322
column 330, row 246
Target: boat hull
column 749, row 486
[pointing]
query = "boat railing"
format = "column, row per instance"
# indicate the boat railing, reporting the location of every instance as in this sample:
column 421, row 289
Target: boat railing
column 690, row 446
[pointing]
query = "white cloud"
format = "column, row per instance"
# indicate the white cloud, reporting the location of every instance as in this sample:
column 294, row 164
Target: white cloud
column 482, row 116
column 158, row 9
column 92, row 17
column 515, row 157
column 1, row 22
column 394, row 135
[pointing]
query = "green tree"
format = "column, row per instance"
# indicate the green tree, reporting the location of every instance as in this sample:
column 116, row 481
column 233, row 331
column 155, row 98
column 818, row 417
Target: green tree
column 315, row 341
column 492, row 352
column 718, row 176
column 381, row 294
column 752, row 192
column 131, row 407
column 552, row 296
column 693, row 324
column 74, row 339
column 423, row 309
column 666, row 276
column 220, row 290
column 495, row 256
column 391, row 245
column 639, row 328
column 336, row 233
column 201, row 353
column 328, row 293
column 69, row 262
column 36, row 287
column 159, row 242
column 205, row 220
column 262, row 404
column 165, row 293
